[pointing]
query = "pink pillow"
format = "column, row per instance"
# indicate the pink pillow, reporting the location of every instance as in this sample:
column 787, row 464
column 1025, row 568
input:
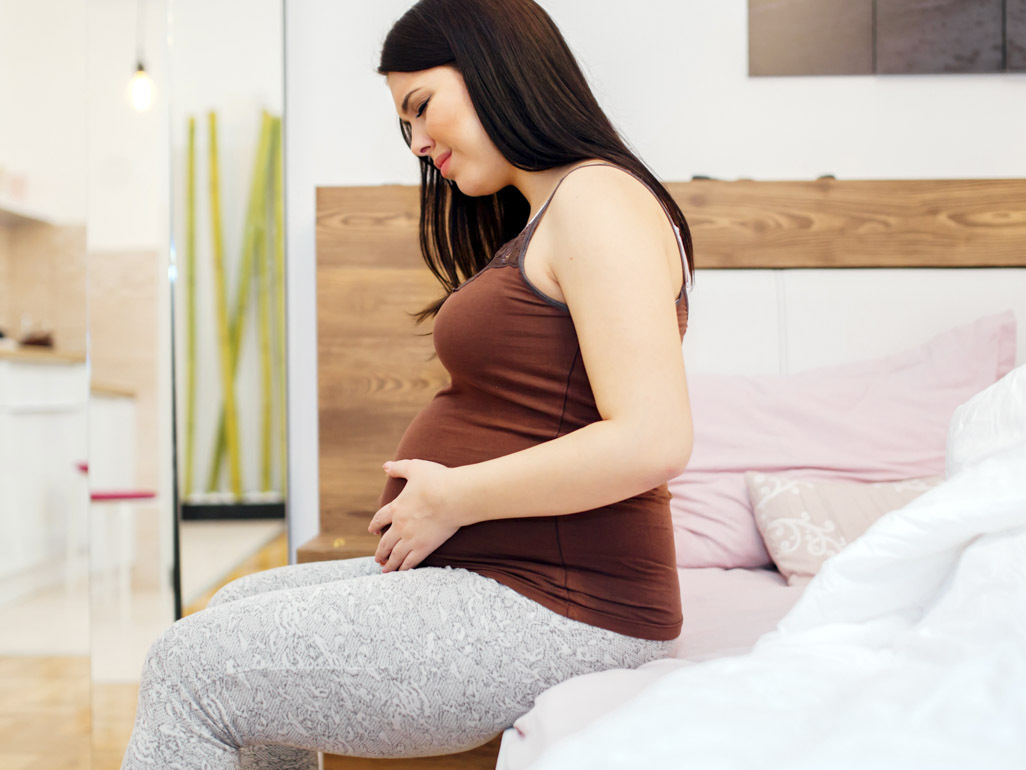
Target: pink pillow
column 879, row 420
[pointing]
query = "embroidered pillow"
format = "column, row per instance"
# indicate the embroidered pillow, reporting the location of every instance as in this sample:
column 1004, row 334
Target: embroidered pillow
column 804, row 523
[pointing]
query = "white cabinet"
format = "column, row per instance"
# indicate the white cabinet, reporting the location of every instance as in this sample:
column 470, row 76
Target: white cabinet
column 43, row 494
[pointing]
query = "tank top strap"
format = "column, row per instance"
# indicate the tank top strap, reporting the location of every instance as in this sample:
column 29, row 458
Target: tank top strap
column 528, row 231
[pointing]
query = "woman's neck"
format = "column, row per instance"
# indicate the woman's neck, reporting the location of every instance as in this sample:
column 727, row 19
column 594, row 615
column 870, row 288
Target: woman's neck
column 537, row 186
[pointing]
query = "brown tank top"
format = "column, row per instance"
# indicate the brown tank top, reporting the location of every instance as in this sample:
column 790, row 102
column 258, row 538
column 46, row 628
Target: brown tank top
column 517, row 380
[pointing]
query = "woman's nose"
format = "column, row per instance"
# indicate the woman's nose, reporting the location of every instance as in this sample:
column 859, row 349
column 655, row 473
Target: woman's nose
column 420, row 142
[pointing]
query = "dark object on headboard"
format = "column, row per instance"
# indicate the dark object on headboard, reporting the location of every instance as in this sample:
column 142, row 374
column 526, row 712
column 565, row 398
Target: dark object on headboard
column 900, row 37
column 810, row 37
column 920, row 37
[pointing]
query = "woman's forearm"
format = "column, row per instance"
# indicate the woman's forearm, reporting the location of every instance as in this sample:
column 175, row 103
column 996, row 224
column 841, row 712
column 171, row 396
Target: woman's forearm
column 597, row 465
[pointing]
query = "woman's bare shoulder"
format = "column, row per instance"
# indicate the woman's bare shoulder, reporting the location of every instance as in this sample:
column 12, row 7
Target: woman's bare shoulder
column 595, row 197
column 606, row 202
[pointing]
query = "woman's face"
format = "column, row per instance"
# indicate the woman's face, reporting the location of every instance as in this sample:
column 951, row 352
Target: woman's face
column 445, row 127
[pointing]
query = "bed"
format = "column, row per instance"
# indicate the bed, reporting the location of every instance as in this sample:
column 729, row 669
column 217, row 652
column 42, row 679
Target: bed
column 844, row 392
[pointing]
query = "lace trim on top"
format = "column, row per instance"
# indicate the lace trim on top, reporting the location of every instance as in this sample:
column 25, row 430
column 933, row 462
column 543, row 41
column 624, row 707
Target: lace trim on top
column 510, row 254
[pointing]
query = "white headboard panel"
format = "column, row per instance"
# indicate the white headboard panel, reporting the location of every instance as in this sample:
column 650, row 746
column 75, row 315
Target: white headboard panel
column 733, row 323
column 786, row 321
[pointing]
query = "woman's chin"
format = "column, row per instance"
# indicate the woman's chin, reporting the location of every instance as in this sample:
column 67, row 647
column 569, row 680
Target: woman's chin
column 474, row 188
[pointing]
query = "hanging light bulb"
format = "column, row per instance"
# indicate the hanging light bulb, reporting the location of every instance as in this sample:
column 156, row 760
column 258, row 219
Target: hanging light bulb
column 141, row 89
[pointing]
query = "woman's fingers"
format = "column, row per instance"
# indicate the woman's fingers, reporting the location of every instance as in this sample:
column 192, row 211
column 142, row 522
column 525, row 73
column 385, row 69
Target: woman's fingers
column 410, row 561
column 385, row 546
column 380, row 519
column 396, row 557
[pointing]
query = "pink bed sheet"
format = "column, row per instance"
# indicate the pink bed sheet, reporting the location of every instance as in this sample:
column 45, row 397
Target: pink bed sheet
column 725, row 613
column 727, row 610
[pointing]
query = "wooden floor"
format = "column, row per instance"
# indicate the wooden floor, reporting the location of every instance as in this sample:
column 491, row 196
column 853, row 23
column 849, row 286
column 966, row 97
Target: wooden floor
column 44, row 713
column 53, row 718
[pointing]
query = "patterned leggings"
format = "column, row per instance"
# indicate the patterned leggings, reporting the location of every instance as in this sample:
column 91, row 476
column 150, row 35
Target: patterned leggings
column 342, row 658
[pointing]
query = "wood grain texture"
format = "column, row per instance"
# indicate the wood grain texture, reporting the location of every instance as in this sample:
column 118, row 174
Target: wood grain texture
column 376, row 367
column 368, row 226
column 328, row 546
column 831, row 223
column 481, row 758
column 45, row 713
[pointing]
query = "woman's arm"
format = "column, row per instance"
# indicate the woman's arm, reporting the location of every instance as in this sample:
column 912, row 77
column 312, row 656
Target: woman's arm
column 594, row 466
column 612, row 267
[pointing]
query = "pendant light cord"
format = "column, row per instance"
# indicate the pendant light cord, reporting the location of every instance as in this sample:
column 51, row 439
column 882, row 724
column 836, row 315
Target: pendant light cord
column 138, row 33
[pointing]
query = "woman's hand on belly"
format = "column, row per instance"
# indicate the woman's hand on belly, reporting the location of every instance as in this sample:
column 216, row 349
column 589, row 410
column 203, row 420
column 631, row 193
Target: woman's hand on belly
column 417, row 518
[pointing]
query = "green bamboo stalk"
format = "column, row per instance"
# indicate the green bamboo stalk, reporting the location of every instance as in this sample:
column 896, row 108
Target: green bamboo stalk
column 223, row 332
column 278, row 196
column 253, row 235
column 263, row 269
column 190, row 309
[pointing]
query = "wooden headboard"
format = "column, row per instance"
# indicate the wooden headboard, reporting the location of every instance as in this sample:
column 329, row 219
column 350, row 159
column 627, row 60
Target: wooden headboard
column 375, row 367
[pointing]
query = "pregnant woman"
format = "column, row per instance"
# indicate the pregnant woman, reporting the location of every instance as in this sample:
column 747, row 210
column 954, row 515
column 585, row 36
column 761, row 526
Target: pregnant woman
column 525, row 523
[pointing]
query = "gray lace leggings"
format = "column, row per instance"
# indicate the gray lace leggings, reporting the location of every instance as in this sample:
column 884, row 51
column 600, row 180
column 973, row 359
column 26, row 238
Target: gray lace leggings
column 342, row 658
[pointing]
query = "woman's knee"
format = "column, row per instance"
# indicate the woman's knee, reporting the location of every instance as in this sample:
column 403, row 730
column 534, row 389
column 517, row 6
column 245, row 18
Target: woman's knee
column 225, row 593
column 248, row 585
column 174, row 657
column 295, row 576
column 161, row 651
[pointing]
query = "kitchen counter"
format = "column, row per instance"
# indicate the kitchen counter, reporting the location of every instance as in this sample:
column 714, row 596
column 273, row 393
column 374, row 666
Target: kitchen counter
column 40, row 356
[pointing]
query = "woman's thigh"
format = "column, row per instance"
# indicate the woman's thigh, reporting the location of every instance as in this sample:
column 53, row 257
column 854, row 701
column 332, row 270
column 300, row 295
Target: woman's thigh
column 295, row 576
column 409, row 663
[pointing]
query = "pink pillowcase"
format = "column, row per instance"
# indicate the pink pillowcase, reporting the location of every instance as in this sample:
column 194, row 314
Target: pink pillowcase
column 879, row 420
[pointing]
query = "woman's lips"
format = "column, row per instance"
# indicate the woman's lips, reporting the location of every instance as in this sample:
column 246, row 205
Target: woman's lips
column 443, row 163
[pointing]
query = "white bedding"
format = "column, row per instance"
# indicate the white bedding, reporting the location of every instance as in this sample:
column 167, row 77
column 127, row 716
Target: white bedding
column 907, row 650
column 725, row 612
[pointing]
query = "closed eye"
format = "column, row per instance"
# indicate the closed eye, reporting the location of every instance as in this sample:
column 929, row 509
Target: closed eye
column 422, row 108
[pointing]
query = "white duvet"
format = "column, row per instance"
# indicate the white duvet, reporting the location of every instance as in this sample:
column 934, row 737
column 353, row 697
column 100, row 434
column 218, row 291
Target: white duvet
column 908, row 649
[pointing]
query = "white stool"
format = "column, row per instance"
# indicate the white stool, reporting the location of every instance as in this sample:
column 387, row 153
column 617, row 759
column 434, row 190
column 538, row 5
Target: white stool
column 122, row 501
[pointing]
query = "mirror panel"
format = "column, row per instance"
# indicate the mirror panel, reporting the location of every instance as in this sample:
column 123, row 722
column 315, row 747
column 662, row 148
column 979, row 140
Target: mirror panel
column 148, row 570
column 226, row 101
column 44, row 386
column 132, row 506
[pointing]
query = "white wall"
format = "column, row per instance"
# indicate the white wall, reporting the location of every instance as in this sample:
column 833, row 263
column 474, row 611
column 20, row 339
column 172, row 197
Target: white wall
column 127, row 162
column 672, row 75
column 42, row 106
column 66, row 124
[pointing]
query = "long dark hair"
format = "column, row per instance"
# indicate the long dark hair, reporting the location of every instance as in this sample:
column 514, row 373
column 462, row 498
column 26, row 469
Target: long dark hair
column 535, row 105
